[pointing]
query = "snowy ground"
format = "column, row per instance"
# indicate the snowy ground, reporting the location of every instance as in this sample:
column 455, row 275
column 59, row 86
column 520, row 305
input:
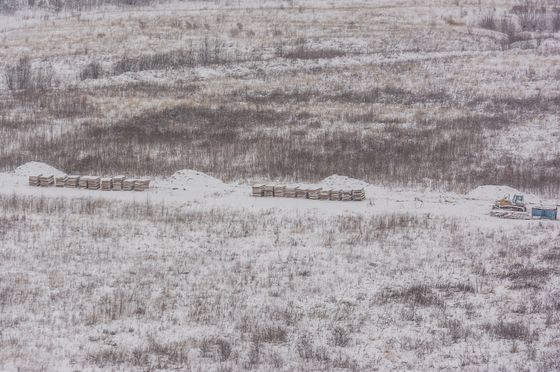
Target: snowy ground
column 414, row 97
column 195, row 274
column 188, row 188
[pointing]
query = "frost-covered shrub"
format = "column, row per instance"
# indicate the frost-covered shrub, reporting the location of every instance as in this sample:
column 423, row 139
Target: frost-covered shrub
column 21, row 76
column 511, row 330
column 416, row 295
column 531, row 15
column 92, row 70
column 488, row 21
column 555, row 21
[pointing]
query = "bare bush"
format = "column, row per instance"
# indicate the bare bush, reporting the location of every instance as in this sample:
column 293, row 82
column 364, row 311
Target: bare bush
column 511, row 331
column 531, row 15
column 503, row 24
column 9, row 6
column 384, row 94
column 107, row 357
column 22, row 76
column 307, row 350
column 456, row 330
column 420, row 295
column 208, row 52
column 270, row 334
column 225, row 349
column 341, row 336
column 508, row 27
column 172, row 59
column 92, row 70
column 7, row 223
column 488, row 21
column 56, row 104
column 526, row 276
column 555, row 21
column 552, row 255
column 167, row 354
column 175, row 353
column 550, row 362
column 19, row 76
column 302, row 53
column 457, row 287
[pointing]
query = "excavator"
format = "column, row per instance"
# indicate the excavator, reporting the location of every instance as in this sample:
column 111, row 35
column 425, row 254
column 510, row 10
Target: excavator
column 513, row 204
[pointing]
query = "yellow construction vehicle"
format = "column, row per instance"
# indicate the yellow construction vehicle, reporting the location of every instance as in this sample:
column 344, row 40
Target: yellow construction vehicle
column 507, row 203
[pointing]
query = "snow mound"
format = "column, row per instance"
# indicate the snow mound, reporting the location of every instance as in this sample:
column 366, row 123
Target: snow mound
column 35, row 168
column 342, row 182
column 494, row 192
column 188, row 178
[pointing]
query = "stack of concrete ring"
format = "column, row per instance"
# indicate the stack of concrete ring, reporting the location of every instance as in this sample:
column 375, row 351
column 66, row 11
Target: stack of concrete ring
column 311, row 192
column 117, row 183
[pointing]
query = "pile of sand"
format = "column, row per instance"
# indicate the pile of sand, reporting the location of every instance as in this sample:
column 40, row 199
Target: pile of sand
column 35, row 168
column 342, row 182
column 494, row 192
column 191, row 179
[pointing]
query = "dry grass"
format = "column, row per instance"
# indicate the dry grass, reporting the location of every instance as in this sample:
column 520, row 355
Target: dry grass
column 140, row 286
column 400, row 95
column 399, row 122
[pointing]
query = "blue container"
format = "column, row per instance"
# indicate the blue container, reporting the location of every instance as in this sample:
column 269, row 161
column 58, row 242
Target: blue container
column 546, row 213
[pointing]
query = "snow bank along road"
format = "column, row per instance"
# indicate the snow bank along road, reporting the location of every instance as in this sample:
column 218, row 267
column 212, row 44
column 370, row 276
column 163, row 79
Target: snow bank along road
column 192, row 189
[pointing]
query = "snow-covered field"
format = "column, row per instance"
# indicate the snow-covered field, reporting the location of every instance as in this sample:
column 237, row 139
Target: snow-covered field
column 436, row 108
column 195, row 274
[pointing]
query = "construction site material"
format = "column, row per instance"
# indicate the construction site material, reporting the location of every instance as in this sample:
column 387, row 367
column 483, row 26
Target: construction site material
column 268, row 190
column 313, row 193
column 93, row 183
column 72, row 181
column 335, row 194
column 346, row 195
column 358, row 195
column 128, row 184
column 258, row 190
column 301, row 193
column 46, row 180
column 34, row 180
column 141, row 184
column 515, row 208
column 60, row 181
column 290, row 191
column 83, row 182
column 118, row 183
column 547, row 213
column 279, row 191
column 106, row 184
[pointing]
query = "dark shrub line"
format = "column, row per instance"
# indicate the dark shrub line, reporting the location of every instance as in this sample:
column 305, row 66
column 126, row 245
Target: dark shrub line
column 247, row 143
column 208, row 52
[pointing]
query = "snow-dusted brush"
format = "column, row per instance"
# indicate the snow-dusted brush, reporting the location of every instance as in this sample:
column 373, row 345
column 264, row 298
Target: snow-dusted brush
column 380, row 134
column 161, row 280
